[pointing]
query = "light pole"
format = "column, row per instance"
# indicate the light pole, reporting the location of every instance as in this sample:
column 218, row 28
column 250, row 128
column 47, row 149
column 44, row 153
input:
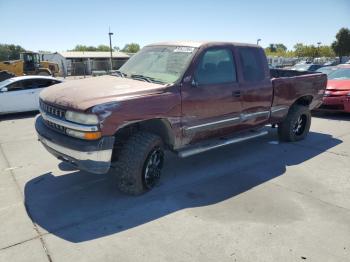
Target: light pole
column 110, row 47
column 257, row 41
column 318, row 48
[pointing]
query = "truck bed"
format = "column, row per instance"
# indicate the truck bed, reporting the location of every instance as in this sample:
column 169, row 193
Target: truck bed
column 277, row 73
column 291, row 85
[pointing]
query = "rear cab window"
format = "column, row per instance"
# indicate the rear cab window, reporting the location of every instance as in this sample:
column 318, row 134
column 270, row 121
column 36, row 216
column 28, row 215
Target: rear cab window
column 252, row 64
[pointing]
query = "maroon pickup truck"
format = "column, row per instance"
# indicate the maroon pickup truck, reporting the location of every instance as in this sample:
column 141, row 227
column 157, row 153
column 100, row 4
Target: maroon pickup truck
column 187, row 97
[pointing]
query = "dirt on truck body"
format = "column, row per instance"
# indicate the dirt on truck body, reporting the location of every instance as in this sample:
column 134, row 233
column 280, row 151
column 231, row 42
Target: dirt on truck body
column 179, row 96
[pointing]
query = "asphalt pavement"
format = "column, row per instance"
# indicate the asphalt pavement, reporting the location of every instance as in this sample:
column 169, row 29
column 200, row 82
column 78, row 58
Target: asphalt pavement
column 259, row 200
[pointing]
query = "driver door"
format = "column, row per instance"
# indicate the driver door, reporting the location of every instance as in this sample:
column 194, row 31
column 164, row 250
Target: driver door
column 211, row 102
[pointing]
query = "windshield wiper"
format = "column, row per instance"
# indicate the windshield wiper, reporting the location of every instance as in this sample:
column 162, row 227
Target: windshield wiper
column 146, row 78
column 119, row 73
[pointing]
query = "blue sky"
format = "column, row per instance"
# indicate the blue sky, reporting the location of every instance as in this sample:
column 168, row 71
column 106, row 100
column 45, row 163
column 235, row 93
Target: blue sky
column 60, row 25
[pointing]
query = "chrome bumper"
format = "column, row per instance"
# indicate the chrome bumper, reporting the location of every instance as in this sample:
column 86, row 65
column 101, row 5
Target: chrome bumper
column 100, row 156
column 91, row 156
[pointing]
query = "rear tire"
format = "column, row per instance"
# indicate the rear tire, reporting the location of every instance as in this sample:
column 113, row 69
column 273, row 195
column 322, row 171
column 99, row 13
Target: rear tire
column 296, row 125
column 139, row 164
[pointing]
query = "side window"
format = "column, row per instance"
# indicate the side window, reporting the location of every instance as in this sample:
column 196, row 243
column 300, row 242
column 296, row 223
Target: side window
column 42, row 83
column 30, row 84
column 23, row 85
column 216, row 67
column 253, row 69
column 16, row 86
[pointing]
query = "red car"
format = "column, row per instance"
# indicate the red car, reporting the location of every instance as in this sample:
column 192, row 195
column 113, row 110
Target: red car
column 337, row 94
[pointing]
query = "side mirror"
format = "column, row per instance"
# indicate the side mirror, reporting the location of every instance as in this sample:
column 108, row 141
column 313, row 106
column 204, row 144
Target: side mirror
column 4, row 89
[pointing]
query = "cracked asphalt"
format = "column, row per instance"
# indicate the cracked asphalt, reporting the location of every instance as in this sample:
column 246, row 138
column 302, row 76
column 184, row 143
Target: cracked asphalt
column 259, row 200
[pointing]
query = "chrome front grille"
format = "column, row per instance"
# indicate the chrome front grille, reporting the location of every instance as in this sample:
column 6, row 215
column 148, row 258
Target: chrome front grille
column 56, row 127
column 52, row 110
column 55, row 112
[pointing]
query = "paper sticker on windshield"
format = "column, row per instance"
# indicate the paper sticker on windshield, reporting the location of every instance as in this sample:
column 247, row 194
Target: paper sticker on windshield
column 184, row 49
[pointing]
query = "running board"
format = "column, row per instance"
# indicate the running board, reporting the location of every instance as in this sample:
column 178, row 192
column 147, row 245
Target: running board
column 206, row 146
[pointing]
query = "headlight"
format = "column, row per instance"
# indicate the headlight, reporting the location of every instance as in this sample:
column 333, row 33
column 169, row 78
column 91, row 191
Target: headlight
column 81, row 118
column 83, row 135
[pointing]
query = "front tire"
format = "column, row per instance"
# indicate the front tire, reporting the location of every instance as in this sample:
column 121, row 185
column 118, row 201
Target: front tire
column 296, row 125
column 139, row 164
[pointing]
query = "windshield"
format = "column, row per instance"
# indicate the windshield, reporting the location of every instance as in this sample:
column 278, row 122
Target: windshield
column 326, row 70
column 340, row 74
column 165, row 64
column 6, row 82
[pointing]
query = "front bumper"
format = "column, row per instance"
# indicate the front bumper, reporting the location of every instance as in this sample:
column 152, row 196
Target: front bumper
column 92, row 156
column 337, row 103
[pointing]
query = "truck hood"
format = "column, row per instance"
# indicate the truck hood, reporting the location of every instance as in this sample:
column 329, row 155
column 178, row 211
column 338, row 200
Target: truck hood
column 85, row 93
column 340, row 85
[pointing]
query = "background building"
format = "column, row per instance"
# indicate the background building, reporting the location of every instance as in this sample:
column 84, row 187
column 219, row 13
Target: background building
column 86, row 63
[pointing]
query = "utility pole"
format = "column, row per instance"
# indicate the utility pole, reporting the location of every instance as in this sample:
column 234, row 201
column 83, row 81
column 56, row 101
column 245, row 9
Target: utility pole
column 110, row 47
column 318, row 48
column 257, row 41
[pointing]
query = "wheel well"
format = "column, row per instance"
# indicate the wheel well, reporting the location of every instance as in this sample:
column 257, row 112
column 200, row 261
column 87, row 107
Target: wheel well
column 304, row 100
column 160, row 127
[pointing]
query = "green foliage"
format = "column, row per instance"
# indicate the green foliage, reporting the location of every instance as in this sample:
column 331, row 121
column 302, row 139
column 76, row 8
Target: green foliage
column 131, row 48
column 10, row 52
column 279, row 53
column 281, row 47
column 128, row 48
column 278, row 50
column 103, row 48
column 342, row 45
column 326, row 51
column 302, row 50
column 44, row 52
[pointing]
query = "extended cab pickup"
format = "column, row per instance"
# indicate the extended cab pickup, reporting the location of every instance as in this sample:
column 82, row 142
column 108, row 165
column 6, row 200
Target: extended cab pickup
column 187, row 97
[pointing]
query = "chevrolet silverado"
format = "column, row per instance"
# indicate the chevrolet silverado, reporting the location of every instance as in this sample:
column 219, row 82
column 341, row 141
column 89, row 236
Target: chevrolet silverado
column 187, row 97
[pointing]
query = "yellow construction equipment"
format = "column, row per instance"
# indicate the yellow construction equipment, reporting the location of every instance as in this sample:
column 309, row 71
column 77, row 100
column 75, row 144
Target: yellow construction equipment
column 30, row 64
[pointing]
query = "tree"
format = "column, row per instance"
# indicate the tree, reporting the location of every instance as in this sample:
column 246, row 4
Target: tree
column 44, row 52
column 281, row 47
column 10, row 52
column 131, row 48
column 272, row 48
column 83, row 48
column 342, row 45
column 302, row 50
column 102, row 48
column 326, row 51
column 276, row 48
column 279, row 50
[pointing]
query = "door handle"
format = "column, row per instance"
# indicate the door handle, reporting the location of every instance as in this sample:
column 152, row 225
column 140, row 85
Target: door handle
column 236, row 93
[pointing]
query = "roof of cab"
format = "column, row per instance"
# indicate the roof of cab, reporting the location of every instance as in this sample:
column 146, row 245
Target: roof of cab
column 197, row 44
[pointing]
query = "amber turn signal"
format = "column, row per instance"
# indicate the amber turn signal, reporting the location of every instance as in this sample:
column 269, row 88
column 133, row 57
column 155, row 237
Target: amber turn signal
column 92, row 135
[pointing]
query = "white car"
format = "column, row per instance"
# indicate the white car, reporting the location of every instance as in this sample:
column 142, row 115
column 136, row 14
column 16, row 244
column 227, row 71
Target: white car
column 21, row 94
